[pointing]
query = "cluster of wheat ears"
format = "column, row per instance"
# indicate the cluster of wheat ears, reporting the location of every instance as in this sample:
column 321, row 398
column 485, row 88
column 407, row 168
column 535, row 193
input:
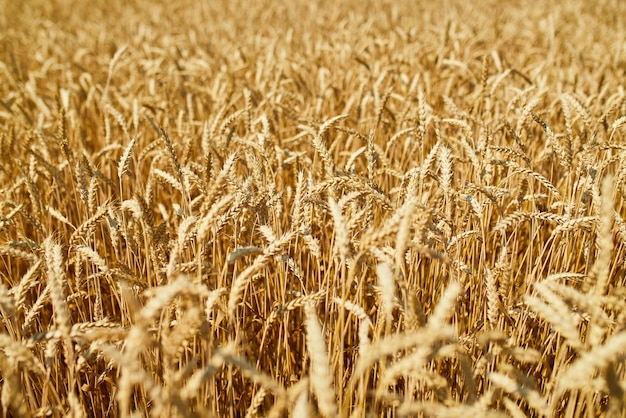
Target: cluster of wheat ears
column 312, row 208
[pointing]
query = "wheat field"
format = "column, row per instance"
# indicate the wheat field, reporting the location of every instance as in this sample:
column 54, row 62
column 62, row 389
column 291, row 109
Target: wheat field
column 312, row 208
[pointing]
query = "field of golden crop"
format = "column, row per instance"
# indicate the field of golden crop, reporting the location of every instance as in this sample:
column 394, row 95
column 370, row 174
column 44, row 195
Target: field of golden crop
column 312, row 208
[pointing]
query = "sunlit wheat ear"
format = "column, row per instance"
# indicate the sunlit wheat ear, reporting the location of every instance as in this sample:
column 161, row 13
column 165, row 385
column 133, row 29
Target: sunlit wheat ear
column 185, row 230
column 422, row 122
column 599, row 276
column 396, row 343
column 93, row 256
column 251, row 372
column 437, row 409
column 59, row 216
column 493, row 301
column 445, row 165
column 533, row 397
column 342, row 241
column 556, row 313
column 116, row 57
column 92, row 194
column 412, row 365
column 267, row 232
column 218, row 183
column 240, row 282
column 122, row 167
column 320, row 146
column 168, row 178
column 7, row 303
column 365, row 324
column 121, row 120
column 301, row 407
column 19, row 254
column 541, row 179
column 298, row 207
column 445, row 307
column 134, row 206
column 564, row 157
column 56, row 280
column 604, row 239
column 62, row 134
column 406, row 214
column 569, row 131
column 161, row 296
column 321, row 379
column 616, row 125
column 312, row 298
column 257, row 400
column 83, row 231
column 597, row 359
column 388, row 289
column 19, row 353
column 12, row 397
column 226, row 127
column 580, row 109
column 177, row 338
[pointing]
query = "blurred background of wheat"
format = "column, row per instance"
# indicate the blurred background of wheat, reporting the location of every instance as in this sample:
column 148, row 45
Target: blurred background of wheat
column 312, row 208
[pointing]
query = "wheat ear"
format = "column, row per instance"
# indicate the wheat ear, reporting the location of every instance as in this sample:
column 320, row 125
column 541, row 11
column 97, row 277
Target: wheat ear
column 321, row 380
